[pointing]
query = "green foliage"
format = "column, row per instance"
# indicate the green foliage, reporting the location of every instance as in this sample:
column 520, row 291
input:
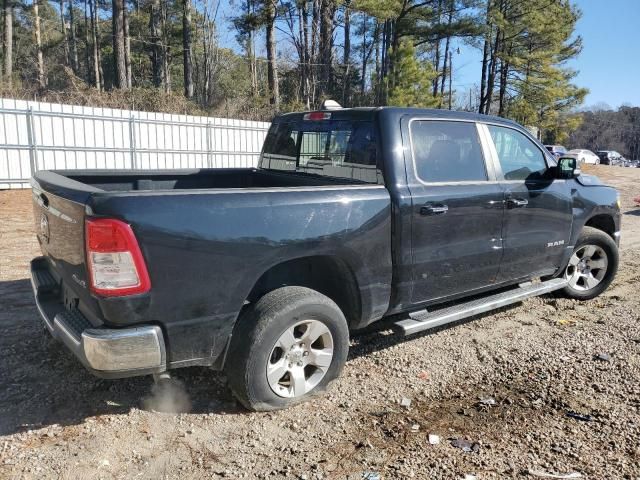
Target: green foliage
column 411, row 79
column 538, row 39
column 396, row 56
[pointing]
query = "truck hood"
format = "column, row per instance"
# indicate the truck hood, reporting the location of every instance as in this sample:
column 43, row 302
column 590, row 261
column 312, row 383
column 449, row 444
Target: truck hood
column 590, row 181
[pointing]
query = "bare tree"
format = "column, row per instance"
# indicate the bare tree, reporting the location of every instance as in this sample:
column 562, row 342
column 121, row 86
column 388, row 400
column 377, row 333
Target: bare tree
column 7, row 41
column 327, row 13
column 186, row 45
column 166, row 49
column 95, row 35
column 36, row 14
column 272, row 67
column 119, row 44
column 157, row 62
column 74, row 40
column 65, row 37
column 127, row 43
column 346, row 61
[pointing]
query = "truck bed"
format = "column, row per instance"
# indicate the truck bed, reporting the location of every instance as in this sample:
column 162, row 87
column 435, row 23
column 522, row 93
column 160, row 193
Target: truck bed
column 208, row 238
column 124, row 181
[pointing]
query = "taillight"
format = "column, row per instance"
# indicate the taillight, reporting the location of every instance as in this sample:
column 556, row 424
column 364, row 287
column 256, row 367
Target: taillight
column 115, row 263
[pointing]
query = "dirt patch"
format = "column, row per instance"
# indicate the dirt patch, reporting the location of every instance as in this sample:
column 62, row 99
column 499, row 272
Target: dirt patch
column 549, row 385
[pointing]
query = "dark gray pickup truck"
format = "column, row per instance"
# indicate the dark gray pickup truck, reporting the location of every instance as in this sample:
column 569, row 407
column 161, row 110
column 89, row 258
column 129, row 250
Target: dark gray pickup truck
column 422, row 217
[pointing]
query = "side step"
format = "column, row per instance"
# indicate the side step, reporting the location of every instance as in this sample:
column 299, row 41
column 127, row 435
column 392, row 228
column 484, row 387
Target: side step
column 424, row 320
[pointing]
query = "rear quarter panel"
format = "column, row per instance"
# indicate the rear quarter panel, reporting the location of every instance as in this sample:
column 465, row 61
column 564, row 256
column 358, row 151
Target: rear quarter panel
column 205, row 251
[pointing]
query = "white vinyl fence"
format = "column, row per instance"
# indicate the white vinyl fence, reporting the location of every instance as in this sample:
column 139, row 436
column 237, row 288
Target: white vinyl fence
column 48, row 136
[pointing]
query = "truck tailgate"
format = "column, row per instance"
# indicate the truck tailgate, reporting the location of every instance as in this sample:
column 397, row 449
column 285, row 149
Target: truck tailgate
column 59, row 227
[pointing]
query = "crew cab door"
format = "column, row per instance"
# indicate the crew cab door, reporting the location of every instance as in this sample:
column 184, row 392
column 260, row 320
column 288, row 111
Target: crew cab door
column 457, row 209
column 538, row 208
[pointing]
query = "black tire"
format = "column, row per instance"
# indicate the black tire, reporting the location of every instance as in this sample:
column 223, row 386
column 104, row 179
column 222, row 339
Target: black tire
column 255, row 336
column 597, row 238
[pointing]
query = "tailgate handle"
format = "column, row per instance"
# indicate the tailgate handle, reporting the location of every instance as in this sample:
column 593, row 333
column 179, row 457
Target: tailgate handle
column 44, row 201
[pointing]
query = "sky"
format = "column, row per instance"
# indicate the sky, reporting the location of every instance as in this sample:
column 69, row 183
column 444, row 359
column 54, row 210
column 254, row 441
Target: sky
column 609, row 64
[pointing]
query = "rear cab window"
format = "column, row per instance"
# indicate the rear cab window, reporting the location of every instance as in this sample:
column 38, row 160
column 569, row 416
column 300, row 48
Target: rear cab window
column 340, row 148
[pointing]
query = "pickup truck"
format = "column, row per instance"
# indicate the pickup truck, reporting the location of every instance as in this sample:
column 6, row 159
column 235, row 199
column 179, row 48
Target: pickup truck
column 419, row 217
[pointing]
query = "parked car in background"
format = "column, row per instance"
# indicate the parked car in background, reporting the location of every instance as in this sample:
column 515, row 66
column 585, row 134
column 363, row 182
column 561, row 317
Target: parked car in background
column 609, row 157
column 585, row 156
column 557, row 150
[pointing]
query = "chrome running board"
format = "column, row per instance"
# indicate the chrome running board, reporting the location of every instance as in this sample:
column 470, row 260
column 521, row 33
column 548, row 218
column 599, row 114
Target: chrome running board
column 423, row 320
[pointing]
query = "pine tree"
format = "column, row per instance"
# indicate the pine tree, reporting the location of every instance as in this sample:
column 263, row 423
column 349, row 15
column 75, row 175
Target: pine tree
column 412, row 79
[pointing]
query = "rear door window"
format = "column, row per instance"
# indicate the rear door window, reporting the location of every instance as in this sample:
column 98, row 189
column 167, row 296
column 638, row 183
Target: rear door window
column 446, row 151
column 333, row 148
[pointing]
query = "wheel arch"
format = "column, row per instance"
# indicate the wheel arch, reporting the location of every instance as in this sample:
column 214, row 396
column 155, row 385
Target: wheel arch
column 603, row 222
column 326, row 274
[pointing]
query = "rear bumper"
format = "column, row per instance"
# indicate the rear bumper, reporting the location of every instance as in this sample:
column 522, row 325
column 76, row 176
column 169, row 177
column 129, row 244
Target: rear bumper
column 105, row 352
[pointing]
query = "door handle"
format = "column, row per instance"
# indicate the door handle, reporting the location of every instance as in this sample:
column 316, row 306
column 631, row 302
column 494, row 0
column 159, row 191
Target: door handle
column 429, row 209
column 517, row 202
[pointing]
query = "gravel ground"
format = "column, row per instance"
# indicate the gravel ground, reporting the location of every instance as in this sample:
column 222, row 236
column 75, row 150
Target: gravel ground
column 503, row 385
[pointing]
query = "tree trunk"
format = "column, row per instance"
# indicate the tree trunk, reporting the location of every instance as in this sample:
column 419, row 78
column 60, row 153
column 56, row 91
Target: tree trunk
column 327, row 11
column 41, row 78
column 376, row 40
column 504, row 72
column 493, row 66
column 450, row 79
column 447, row 56
column 127, row 44
column 166, row 49
column 394, row 43
column 365, row 56
column 87, row 43
column 443, row 76
column 313, row 67
column 118, row 44
column 74, row 40
column 7, row 41
column 306, row 90
column 272, row 67
column 186, row 47
column 485, row 58
column 383, row 63
column 156, row 47
column 436, row 59
column 96, row 47
column 346, row 91
column 65, row 38
column 251, row 54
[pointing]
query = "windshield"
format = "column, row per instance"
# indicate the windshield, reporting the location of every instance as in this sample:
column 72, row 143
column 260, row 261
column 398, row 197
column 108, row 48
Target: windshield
column 333, row 148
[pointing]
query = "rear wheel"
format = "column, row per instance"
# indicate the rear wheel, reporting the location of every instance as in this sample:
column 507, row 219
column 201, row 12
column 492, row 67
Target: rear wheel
column 286, row 347
column 592, row 266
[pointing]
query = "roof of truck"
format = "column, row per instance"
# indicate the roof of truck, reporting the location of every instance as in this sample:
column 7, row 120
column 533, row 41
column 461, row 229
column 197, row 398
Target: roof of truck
column 367, row 112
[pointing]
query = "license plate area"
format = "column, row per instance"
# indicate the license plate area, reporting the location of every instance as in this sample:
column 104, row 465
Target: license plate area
column 69, row 299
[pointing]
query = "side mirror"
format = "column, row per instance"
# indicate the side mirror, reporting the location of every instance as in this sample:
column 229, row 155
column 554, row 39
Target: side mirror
column 568, row 168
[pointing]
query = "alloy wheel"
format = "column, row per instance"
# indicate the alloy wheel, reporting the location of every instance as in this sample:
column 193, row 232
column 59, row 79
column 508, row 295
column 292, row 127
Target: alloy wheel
column 300, row 359
column 587, row 267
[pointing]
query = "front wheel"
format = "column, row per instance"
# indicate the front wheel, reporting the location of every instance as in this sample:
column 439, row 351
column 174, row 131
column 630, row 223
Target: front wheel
column 592, row 266
column 287, row 347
